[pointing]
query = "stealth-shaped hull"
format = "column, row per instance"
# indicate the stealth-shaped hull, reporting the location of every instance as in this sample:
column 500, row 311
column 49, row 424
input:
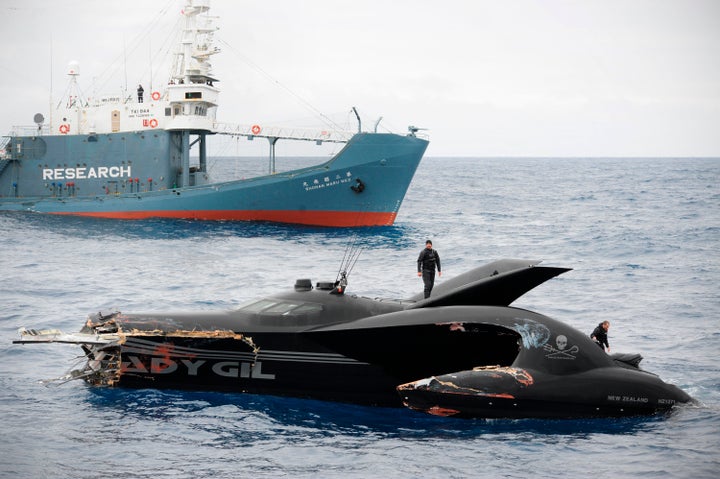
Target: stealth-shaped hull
column 314, row 342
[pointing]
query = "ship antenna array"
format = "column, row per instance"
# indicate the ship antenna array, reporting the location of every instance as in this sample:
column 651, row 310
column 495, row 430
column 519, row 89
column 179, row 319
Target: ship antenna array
column 152, row 28
column 329, row 121
column 350, row 257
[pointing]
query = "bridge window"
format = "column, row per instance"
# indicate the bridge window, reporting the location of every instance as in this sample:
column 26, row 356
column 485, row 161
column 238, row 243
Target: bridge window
column 193, row 95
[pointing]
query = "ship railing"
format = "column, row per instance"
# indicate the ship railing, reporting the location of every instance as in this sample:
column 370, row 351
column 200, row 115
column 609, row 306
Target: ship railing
column 26, row 130
column 285, row 133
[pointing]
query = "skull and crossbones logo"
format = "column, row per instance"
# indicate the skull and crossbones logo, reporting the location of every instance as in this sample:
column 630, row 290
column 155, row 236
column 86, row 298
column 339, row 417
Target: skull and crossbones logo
column 562, row 351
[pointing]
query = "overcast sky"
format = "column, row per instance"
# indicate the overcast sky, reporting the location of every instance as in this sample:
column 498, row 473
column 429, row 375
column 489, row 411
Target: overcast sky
column 485, row 77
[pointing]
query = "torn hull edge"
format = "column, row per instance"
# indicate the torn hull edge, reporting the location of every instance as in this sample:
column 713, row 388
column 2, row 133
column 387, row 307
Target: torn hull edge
column 119, row 353
column 113, row 353
column 523, row 392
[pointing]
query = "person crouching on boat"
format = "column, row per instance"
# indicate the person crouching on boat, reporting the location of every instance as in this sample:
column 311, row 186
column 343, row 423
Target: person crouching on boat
column 428, row 260
column 599, row 335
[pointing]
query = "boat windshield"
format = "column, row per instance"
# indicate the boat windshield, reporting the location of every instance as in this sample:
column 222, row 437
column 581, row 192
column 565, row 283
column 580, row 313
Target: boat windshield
column 281, row 307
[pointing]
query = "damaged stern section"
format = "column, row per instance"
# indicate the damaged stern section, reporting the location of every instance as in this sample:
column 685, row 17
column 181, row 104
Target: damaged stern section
column 118, row 354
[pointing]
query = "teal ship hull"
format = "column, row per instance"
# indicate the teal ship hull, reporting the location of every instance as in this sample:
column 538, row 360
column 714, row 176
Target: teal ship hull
column 142, row 175
column 128, row 156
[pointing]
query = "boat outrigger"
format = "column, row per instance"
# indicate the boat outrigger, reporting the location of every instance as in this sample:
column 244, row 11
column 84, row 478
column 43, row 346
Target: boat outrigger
column 129, row 156
column 320, row 342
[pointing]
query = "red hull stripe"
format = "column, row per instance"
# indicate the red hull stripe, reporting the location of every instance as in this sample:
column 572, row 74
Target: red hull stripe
column 313, row 218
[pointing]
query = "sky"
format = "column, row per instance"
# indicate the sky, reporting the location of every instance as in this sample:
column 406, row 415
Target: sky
column 486, row 78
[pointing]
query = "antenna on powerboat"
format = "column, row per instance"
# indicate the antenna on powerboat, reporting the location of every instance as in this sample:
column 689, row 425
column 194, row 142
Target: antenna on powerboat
column 352, row 253
column 340, row 284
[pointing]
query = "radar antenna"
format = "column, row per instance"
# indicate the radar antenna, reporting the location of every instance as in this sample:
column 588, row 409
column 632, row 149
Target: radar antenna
column 39, row 119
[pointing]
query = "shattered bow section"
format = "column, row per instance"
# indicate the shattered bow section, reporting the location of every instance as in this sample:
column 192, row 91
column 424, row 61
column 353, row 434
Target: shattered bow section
column 113, row 352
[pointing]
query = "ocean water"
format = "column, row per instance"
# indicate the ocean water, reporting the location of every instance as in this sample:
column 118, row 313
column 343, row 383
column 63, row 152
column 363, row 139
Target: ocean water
column 642, row 235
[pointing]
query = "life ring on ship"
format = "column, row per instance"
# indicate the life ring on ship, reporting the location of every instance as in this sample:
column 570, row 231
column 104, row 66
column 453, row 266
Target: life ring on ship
column 156, row 95
column 153, row 123
column 64, row 128
column 256, row 129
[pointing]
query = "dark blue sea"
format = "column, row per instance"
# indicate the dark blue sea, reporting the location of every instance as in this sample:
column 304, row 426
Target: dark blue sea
column 642, row 237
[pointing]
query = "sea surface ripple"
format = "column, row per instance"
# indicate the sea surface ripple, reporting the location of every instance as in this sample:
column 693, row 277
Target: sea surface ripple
column 642, row 237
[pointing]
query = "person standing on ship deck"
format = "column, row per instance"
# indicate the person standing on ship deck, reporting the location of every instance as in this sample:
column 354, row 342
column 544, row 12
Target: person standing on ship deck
column 428, row 260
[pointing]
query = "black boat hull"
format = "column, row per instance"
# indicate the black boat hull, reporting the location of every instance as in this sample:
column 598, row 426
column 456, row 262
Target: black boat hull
column 324, row 344
column 286, row 365
column 498, row 392
column 359, row 365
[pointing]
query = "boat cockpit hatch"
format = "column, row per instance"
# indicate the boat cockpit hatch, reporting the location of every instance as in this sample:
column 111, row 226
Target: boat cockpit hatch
column 273, row 307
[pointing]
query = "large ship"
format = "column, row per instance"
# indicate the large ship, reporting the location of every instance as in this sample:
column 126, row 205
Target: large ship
column 145, row 155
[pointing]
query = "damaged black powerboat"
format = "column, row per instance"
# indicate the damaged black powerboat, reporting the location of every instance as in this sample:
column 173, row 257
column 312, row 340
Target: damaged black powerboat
column 319, row 342
column 558, row 373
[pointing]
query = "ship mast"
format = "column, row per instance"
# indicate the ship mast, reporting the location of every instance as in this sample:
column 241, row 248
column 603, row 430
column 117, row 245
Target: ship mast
column 191, row 62
column 192, row 94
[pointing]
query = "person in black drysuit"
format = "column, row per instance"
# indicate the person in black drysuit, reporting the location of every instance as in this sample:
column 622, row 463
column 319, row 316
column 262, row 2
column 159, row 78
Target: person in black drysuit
column 599, row 335
column 428, row 260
